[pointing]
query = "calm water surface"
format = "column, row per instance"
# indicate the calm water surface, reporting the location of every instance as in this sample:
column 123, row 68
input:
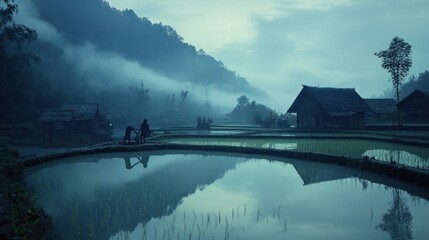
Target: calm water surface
column 178, row 195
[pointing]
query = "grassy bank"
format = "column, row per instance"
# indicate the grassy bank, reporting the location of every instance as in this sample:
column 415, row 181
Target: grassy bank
column 19, row 217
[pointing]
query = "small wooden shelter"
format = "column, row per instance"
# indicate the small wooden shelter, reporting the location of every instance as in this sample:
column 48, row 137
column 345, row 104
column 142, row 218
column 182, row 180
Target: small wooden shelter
column 415, row 107
column 86, row 116
column 57, row 125
column 62, row 124
column 322, row 108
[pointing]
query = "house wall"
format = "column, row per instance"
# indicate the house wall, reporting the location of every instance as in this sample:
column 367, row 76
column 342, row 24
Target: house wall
column 306, row 120
column 310, row 115
column 354, row 121
column 415, row 108
column 56, row 131
column 382, row 118
column 86, row 126
column 321, row 120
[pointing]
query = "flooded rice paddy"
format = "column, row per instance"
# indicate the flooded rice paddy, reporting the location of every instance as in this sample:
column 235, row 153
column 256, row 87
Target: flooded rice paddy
column 203, row 195
column 413, row 156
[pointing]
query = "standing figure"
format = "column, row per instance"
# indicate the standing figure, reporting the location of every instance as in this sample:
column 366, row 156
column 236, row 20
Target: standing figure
column 144, row 131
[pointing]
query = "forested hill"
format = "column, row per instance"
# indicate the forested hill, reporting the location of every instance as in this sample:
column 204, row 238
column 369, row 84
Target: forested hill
column 156, row 46
column 420, row 82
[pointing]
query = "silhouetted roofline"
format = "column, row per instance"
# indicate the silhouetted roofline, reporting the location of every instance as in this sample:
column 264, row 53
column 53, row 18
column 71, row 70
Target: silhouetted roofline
column 332, row 100
column 416, row 91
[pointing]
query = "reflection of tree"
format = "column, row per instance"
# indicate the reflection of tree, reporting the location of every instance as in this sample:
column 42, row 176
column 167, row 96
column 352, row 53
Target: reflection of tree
column 397, row 221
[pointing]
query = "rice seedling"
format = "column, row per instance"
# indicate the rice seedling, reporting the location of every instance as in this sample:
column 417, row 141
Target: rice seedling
column 372, row 214
column 274, row 212
column 165, row 233
column 226, row 236
column 258, row 215
column 173, row 225
column 208, row 220
column 199, row 232
column 219, row 217
column 245, row 209
column 284, row 226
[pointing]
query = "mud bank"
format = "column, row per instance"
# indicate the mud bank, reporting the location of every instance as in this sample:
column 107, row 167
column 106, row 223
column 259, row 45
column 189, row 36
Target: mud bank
column 415, row 176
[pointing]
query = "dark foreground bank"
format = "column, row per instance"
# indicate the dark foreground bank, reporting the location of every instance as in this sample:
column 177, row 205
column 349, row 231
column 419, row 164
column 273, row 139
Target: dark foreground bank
column 19, row 217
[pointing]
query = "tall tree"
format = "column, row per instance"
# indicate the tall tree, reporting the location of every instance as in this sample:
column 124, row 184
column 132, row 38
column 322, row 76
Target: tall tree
column 10, row 32
column 242, row 101
column 12, row 59
column 397, row 61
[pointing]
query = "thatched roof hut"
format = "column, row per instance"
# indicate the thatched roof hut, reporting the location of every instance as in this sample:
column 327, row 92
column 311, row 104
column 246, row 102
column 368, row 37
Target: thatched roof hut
column 318, row 107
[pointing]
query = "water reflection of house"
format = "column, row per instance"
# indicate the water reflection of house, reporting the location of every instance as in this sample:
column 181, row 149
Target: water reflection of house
column 329, row 108
column 415, row 107
column 62, row 124
column 384, row 109
column 311, row 173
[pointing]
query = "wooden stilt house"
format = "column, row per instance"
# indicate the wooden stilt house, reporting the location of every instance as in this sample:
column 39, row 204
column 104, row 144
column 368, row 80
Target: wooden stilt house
column 415, row 107
column 321, row 108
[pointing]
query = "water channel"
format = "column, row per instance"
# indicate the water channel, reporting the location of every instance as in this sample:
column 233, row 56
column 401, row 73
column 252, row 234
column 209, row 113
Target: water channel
column 205, row 195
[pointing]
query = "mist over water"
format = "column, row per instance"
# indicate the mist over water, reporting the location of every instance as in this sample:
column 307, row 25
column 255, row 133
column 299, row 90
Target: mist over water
column 128, row 89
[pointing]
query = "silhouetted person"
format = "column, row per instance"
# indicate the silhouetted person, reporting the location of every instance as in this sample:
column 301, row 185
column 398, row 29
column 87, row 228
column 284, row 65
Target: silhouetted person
column 127, row 136
column 144, row 131
column 127, row 163
column 144, row 159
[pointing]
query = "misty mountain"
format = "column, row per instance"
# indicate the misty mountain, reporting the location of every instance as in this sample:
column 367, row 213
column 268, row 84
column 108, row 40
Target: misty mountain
column 154, row 45
column 90, row 52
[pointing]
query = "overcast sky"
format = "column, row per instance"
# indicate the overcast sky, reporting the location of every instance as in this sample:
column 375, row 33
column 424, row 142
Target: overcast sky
column 278, row 45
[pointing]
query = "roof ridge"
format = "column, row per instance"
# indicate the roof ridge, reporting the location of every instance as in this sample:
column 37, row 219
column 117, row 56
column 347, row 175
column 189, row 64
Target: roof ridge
column 307, row 86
